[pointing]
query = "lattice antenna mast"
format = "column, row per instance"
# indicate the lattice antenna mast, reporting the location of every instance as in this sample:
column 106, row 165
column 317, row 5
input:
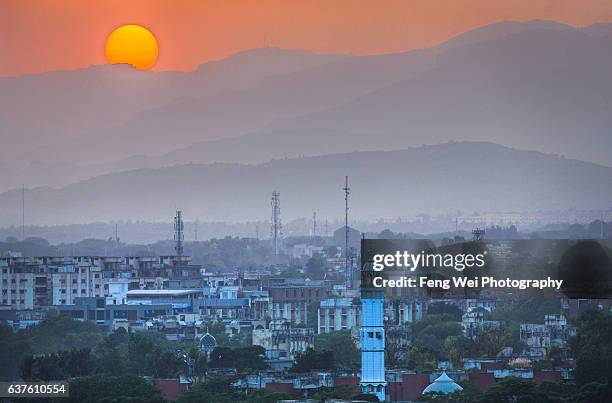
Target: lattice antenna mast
column 276, row 227
column 179, row 236
column 347, row 260
column 478, row 234
column 314, row 224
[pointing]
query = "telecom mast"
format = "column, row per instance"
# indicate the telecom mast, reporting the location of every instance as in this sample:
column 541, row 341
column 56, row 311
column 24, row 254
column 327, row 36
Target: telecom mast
column 179, row 237
column 314, row 224
column 478, row 234
column 276, row 227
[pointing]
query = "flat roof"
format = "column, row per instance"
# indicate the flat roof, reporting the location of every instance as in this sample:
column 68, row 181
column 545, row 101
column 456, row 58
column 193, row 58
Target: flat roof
column 179, row 292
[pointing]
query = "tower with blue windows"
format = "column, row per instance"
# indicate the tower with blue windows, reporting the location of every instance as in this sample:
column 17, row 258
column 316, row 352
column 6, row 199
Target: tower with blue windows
column 372, row 338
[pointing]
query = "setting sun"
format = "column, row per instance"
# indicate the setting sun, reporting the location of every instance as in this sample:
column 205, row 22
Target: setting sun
column 132, row 44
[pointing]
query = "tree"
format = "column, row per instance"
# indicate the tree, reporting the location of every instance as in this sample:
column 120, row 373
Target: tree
column 217, row 330
column 422, row 357
column 490, row 343
column 214, row 390
column 138, row 354
column 57, row 366
column 344, row 391
column 342, row 346
column 163, row 364
column 440, row 308
column 429, row 320
column 365, row 397
column 593, row 392
column 316, row 267
column 109, row 358
column 511, row 390
column 110, row 388
column 60, row 333
column 457, row 348
column 245, row 358
column 311, row 360
column 592, row 348
column 13, row 349
column 432, row 337
column 524, row 311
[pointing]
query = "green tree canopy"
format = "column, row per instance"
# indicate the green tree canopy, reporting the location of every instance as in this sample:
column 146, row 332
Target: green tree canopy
column 312, row 359
column 110, row 388
column 342, row 346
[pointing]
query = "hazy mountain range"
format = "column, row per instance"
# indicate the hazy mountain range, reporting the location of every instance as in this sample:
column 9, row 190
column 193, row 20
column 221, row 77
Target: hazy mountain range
column 537, row 85
column 429, row 179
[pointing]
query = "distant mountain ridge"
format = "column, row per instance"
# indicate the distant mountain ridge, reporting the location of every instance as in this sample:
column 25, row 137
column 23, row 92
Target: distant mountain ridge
column 430, row 179
column 62, row 106
column 537, row 85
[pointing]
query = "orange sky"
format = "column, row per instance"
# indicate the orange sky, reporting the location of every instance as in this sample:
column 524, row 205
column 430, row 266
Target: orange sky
column 43, row 35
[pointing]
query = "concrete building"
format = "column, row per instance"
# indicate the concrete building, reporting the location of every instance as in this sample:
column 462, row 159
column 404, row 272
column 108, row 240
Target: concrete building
column 179, row 299
column 474, row 323
column 95, row 309
column 537, row 338
column 290, row 302
column 24, row 283
column 224, row 309
column 337, row 314
column 282, row 341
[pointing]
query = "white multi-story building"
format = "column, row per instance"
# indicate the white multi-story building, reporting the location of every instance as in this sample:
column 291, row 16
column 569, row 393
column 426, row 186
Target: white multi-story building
column 23, row 283
column 337, row 314
column 282, row 341
column 77, row 280
column 17, row 289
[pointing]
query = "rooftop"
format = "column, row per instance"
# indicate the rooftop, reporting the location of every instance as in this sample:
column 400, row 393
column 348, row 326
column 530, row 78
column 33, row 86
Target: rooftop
column 162, row 293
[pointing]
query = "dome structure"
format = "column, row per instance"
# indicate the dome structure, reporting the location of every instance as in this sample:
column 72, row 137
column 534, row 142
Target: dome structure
column 443, row 385
column 207, row 344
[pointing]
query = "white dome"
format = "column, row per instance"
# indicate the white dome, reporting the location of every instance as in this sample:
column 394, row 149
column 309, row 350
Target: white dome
column 444, row 385
column 208, row 342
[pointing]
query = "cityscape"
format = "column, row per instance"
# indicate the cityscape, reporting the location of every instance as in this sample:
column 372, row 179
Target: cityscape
column 295, row 326
column 305, row 201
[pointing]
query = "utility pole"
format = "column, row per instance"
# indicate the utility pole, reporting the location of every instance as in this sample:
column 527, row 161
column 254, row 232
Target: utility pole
column 347, row 261
column 22, row 212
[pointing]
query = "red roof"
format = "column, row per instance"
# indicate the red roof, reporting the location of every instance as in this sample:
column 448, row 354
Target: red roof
column 170, row 388
column 491, row 366
column 346, row 379
column 482, row 380
column 547, row 376
column 281, row 387
column 410, row 388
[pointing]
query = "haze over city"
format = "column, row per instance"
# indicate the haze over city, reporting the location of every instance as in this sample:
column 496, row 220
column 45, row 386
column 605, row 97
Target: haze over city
column 215, row 125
